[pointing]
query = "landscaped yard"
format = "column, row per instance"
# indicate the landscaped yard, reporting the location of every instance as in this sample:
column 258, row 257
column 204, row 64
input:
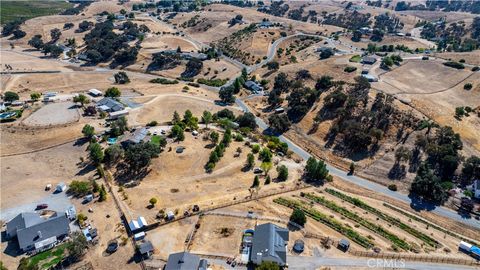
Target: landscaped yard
column 48, row 258
column 155, row 139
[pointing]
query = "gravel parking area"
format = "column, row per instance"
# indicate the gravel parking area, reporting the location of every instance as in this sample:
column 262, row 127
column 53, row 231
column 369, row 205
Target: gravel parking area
column 54, row 114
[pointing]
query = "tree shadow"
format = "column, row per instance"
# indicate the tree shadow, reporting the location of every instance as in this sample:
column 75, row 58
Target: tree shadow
column 81, row 141
column 397, row 171
column 418, row 204
column 85, row 170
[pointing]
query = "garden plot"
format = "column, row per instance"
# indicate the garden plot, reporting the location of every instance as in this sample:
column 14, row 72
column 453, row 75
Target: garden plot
column 54, row 114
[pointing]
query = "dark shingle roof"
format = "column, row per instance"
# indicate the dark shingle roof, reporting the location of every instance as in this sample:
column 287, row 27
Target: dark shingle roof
column 182, row 261
column 112, row 104
column 269, row 244
column 53, row 227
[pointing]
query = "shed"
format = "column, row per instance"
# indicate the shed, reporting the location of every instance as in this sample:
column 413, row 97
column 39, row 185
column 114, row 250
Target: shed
column 344, row 244
column 279, row 110
column 133, row 224
column 88, row 198
column 370, row 77
column 61, row 187
column 95, row 92
column 139, row 236
column 142, row 222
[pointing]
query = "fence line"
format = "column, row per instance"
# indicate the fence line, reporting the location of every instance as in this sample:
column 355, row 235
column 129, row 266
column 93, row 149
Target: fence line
column 412, row 257
column 227, row 204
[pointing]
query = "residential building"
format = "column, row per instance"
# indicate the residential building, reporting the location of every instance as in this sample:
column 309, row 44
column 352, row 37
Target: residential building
column 253, row 86
column 108, row 104
column 269, row 244
column 136, row 136
column 185, row 261
column 36, row 233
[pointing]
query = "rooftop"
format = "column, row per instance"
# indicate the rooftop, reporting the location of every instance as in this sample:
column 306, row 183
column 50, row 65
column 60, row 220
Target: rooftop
column 269, row 244
column 183, row 261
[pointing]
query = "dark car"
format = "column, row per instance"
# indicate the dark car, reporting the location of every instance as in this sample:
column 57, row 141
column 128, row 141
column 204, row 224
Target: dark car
column 112, row 247
column 41, row 206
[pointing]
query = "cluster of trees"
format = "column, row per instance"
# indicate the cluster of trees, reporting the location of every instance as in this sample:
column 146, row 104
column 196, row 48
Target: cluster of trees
column 13, row 27
column 219, row 149
column 389, row 60
column 437, row 172
column 193, row 68
column 451, row 37
column 466, row 6
column 350, row 20
column 77, row 9
column 162, row 61
column 228, row 45
column 385, row 22
column 360, row 126
column 277, row 8
column 103, row 44
column 226, row 94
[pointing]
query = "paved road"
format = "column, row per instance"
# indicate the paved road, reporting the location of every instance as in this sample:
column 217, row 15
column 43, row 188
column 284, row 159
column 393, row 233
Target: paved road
column 442, row 211
column 307, row 263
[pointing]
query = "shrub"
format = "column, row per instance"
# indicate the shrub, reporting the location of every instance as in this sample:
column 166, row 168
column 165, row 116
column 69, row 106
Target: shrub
column 350, row 69
column 392, row 187
column 453, row 64
column 152, row 124
column 163, row 81
column 468, row 86
column 475, row 68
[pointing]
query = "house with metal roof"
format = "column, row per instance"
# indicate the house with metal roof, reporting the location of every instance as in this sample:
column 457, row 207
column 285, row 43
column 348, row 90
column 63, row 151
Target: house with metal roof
column 185, row 261
column 109, row 104
column 269, row 244
column 36, row 233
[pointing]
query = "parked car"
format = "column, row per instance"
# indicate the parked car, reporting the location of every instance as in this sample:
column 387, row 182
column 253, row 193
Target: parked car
column 41, row 206
column 112, row 247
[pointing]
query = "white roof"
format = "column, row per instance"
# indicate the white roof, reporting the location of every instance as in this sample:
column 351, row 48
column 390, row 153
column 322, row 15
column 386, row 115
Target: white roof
column 170, row 213
column 95, row 91
column 122, row 112
column 133, row 225
column 138, row 235
column 142, row 222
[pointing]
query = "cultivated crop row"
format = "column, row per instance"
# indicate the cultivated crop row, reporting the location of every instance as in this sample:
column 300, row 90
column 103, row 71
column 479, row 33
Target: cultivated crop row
column 330, row 222
column 365, row 223
column 392, row 220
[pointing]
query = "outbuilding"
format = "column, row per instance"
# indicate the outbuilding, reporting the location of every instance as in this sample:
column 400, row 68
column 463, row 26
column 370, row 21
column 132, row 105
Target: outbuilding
column 139, row 236
column 61, row 187
column 95, row 92
column 146, row 249
column 133, row 225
